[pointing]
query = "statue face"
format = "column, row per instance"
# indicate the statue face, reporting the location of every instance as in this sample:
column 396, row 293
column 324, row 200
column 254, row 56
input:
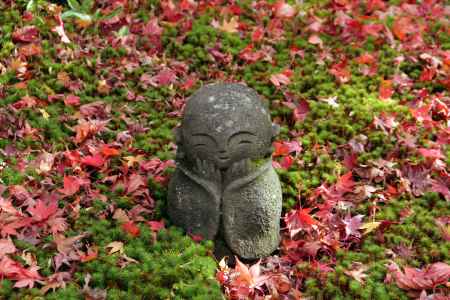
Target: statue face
column 225, row 149
column 226, row 123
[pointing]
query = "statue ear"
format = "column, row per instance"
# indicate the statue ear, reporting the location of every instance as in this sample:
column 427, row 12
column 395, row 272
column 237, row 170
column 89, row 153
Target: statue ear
column 178, row 135
column 275, row 129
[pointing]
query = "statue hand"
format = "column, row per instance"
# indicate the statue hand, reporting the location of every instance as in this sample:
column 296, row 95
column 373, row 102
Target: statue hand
column 209, row 172
column 239, row 169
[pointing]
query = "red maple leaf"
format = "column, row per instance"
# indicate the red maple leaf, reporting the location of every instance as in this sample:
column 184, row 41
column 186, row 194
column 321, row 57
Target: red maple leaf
column 422, row 114
column 418, row 279
column 156, row 225
column 386, row 90
column 41, row 211
column 403, row 26
column 96, row 161
column 26, row 34
column 71, row 185
column 15, row 271
column 298, row 220
column 7, row 247
column 131, row 228
column 284, row 148
column 283, row 10
column 135, row 182
column 427, row 74
column 341, row 71
column 72, row 100
column 431, row 153
column 282, row 78
column 109, row 151
column 301, row 111
column 91, row 254
column 352, row 225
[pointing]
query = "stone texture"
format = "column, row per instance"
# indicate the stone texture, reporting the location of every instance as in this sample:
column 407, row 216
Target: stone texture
column 225, row 187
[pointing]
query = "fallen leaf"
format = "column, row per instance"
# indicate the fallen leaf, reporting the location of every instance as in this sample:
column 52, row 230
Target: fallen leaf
column 7, row 246
column 115, row 247
column 131, row 228
column 369, row 227
column 357, row 272
column 230, row 26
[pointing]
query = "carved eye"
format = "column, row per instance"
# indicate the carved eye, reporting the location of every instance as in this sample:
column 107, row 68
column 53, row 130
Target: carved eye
column 241, row 138
column 200, row 145
column 203, row 140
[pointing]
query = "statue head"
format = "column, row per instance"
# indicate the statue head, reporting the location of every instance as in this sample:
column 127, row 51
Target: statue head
column 224, row 123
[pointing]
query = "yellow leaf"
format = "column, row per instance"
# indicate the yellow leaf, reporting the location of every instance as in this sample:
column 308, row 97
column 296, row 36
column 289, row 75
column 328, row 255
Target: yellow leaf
column 45, row 114
column 131, row 160
column 370, row 226
column 230, row 26
column 121, row 216
column 115, row 247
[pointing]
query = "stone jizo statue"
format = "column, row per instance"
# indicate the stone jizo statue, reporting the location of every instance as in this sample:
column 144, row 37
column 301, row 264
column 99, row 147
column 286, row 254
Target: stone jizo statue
column 224, row 186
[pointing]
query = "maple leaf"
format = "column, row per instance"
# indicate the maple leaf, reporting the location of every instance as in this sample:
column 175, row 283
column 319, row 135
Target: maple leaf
column 283, row 10
column 369, row 227
column 386, row 90
column 258, row 34
column 418, row 279
column 165, row 77
column 285, row 147
column 25, row 102
column 403, row 26
column 26, row 34
column 15, row 271
column 41, row 211
column 30, row 50
column 422, row 113
column 152, row 28
column 92, row 253
column 287, row 162
column 96, row 161
column 85, row 129
column 135, row 182
column 115, row 246
column 341, row 71
column 156, row 225
column 427, row 74
column 301, row 111
column 249, row 277
column 345, row 183
column 281, row 78
column 444, row 226
column 72, row 100
column 131, row 228
column 7, row 246
column 314, row 39
column 431, row 153
column 352, row 226
column 109, row 151
column 59, row 29
column 65, row 245
column 121, row 216
column 230, row 26
column 366, row 58
column 357, row 271
column 46, row 161
column 298, row 220
column 441, row 185
column 56, row 280
column 71, row 185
